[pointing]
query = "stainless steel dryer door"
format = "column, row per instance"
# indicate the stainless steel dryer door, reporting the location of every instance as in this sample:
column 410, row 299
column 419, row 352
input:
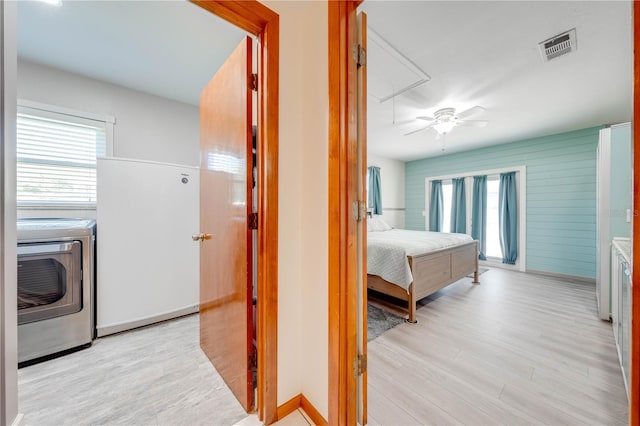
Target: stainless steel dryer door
column 49, row 280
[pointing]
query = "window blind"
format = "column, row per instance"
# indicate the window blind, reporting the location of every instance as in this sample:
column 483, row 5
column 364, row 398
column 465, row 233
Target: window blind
column 56, row 159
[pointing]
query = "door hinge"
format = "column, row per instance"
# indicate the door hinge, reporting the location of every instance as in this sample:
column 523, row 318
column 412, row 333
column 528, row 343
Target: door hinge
column 253, row 359
column 359, row 365
column 359, row 210
column 252, row 220
column 254, row 82
column 359, row 55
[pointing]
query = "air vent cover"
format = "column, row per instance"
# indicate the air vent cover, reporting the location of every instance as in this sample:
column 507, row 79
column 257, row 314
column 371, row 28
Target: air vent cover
column 558, row 45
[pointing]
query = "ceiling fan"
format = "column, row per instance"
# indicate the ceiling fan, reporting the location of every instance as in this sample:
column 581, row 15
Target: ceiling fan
column 445, row 119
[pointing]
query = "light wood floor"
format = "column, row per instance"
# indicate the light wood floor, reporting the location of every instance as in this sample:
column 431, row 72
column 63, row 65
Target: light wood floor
column 296, row 418
column 156, row 375
column 518, row 349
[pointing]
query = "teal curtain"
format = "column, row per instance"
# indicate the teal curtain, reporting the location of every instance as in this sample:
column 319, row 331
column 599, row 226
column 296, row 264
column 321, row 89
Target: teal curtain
column 508, row 217
column 479, row 215
column 375, row 191
column 436, row 207
column 458, row 207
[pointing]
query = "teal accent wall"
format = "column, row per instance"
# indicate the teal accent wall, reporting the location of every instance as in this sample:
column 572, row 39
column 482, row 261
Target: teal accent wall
column 561, row 195
column 621, row 185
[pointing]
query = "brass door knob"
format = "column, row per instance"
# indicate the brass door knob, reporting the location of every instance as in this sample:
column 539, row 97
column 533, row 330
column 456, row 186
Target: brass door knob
column 201, row 237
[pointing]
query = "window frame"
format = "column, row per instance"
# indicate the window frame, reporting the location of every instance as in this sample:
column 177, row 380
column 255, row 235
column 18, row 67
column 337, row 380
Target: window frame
column 446, row 212
column 72, row 116
column 495, row 178
column 521, row 193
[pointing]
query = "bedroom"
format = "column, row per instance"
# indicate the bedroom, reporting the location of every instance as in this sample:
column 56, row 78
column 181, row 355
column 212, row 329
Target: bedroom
column 542, row 120
column 295, row 212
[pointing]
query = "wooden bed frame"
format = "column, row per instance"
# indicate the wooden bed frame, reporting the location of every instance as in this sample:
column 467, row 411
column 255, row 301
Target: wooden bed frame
column 431, row 272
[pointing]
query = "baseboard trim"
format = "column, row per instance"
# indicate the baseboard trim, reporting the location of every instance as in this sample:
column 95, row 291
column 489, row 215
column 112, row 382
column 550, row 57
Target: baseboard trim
column 300, row 401
column 312, row 412
column 497, row 264
column 585, row 280
column 288, row 407
column 124, row 326
column 18, row 420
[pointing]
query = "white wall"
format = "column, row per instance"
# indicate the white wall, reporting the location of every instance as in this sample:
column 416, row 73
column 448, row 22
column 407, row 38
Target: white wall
column 289, row 217
column 8, row 264
column 147, row 127
column 303, row 209
column 392, row 177
column 314, row 208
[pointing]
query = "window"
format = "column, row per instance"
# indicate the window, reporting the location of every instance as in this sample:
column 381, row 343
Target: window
column 493, row 233
column 447, row 195
column 56, row 156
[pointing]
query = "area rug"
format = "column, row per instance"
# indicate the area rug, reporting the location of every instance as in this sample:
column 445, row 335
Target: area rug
column 379, row 321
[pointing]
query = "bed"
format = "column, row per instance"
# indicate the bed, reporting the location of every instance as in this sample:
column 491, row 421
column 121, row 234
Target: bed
column 411, row 265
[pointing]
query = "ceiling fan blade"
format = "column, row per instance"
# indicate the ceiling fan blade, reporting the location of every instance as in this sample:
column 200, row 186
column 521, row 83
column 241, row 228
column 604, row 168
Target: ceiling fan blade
column 401, row 122
column 470, row 112
column 426, row 118
column 418, row 130
column 472, row 123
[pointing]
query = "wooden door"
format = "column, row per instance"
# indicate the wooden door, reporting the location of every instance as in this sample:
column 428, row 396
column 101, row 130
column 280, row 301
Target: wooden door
column 226, row 290
column 362, row 228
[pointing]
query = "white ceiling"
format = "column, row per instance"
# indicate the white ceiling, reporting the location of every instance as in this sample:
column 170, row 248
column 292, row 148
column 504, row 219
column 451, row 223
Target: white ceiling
column 476, row 53
column 486, row 53
column 166, row 48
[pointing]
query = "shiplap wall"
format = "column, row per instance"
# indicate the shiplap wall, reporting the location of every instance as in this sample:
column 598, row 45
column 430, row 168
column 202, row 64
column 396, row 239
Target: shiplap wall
column 561, row 195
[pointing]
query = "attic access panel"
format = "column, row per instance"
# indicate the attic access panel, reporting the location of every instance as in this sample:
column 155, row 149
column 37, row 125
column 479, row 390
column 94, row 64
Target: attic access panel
column 389, row 72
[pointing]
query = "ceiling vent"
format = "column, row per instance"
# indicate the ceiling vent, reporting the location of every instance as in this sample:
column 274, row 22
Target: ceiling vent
column 559, row 45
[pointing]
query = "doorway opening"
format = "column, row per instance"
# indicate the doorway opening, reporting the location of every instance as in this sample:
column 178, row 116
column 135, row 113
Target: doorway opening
column 266, row 189
column 415, row 218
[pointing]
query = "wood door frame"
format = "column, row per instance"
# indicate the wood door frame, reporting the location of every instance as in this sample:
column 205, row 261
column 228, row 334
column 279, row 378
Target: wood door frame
column 634, row 385
column 342, row 227
column 361, row 27
column 259, row 20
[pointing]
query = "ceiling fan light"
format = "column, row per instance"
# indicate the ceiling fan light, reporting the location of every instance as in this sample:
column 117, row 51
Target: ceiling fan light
column 444, row 127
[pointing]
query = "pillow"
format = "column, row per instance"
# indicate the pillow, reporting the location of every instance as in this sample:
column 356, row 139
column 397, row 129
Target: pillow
column 376, row 224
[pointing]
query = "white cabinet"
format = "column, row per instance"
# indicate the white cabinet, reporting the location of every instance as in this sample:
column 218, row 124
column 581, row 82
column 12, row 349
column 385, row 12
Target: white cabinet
column 603, row 184
column 613, row 213
column 621, row 302
column 147, row 264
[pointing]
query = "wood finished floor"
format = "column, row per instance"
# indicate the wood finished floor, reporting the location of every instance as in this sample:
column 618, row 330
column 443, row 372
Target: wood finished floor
column 518, row 349
column 156, row 375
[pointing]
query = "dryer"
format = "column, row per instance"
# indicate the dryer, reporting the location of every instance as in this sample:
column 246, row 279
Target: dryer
column 56, row 275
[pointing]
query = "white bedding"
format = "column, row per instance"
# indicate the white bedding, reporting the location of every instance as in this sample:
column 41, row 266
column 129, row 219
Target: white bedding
column 387, row 251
